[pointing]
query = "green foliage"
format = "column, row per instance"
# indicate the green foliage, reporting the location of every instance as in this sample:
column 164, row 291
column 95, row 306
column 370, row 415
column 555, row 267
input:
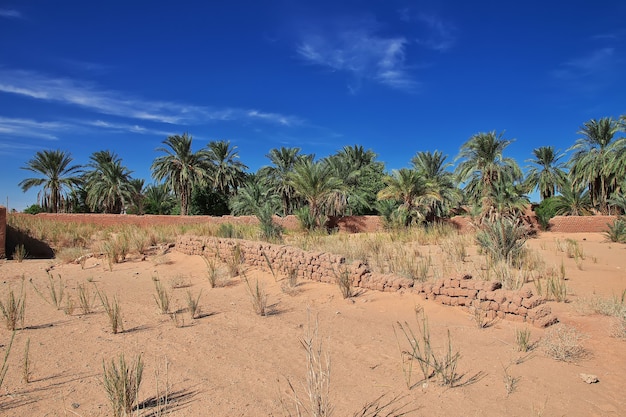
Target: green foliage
column 206, row 202
column 503, row 239
column 545, row 211
column 181, row 168
column 107, row 183
column 158, row 199
column 229, row 231
column 57, row 176
column 616, row 231
column 305, row 218
column 34, row 209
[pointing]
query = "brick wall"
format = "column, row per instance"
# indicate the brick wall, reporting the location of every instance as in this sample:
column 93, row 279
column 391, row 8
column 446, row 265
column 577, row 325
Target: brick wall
column 580, row 224
column 488, row 298
column 3, row 231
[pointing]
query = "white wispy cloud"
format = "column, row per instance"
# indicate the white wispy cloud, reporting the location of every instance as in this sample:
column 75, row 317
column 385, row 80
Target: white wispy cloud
column 90, row 96
column 361, row 52
column 131, row 128
column 592, row 64
column 17, row 127
column 441, row 35
column 11, row 14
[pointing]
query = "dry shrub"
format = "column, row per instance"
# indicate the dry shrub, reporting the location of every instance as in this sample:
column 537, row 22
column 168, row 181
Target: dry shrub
column 258, row 296
column 317, row 382
column 121, row 382
column 344, row 282
column 69, row 254
column 193, row 304
column 564, row 343
column 162, row 297
column 113, row 311
column 20, row 253
column 13, row 309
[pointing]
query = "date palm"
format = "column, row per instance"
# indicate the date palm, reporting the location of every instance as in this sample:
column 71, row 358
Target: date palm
column 108, row 183
column 574, row 200
column 433, row 168
column 58, row 176
column 593, row 163
column 181, row 168
column 277, row 176
column 315, row 183
column 226, row 171
column 547, row 173
column 410, row 188
column 158, row 199
column 484, row 164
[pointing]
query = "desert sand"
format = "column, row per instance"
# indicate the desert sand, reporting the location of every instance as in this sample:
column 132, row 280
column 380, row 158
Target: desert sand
column 232, row 362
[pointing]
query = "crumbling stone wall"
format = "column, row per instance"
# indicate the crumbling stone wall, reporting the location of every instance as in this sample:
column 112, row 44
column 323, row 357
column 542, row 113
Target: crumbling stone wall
column 486, row 296
column 3, row 231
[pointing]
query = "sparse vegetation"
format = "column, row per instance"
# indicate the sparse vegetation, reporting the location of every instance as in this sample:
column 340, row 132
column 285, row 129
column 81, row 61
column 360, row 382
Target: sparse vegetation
column 121, row 382
column 193, row 304
column 113, row 312
column 510, row 381
column 616, row 231
column 26, row 363
column 344, row 282
column 503, row 239
column 258, row 296
column 522, row 340
column 85, row 299
column 5, row 360
column 20, row 253
column 13, row 309
column 162, row 297
column 564, row 343
column 212, row 271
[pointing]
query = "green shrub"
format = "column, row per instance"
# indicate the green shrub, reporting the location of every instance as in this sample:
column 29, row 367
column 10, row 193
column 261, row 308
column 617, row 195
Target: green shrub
column 503, row 239
column 305, row 218
column 616, row 231
column 544, row 212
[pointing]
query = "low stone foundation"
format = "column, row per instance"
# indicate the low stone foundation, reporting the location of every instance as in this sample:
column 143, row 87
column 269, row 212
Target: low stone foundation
column 485, row 297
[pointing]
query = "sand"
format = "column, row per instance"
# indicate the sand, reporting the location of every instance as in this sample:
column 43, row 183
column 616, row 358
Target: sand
column 232, row 362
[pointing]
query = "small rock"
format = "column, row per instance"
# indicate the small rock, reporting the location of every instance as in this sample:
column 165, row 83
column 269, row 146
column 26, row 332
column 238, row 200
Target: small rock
column 589, row 379
column 75, row 405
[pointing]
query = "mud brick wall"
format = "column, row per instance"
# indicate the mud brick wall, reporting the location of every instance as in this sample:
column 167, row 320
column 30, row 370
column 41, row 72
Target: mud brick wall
column 489, row 299
column 3, row 231
column 580, row 224
column 486, row 296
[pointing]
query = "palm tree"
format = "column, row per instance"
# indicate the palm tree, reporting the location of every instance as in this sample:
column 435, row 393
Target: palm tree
column 361, row 174
column 226, row 172
column 108, row 183
column 59, row 176
column 159, row 199
column 283, row 160
column 410, row 188
column 433, row 168
column 138, row 198
column 483, row 164
column 547, row 175
column 181, row 168
column 574, row 200
column 505, row 200
column 314, row 182
column 593, row 164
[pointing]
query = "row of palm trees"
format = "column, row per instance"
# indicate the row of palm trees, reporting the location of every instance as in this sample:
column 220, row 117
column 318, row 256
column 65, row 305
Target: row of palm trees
column 351, row 181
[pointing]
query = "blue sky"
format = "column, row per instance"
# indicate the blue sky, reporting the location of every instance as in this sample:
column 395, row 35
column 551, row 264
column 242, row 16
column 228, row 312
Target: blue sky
column 396, row 77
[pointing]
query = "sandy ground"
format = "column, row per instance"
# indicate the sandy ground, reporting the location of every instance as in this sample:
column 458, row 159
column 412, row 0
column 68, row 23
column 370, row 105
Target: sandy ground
column 232, row 362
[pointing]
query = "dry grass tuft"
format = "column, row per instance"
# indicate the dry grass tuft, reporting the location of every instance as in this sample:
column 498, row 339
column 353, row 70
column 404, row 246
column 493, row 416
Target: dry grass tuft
column 13, row 309
column 258, row 296
column 121, row 382
column 162, row 297
column 563, row 343
column 113, row 311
